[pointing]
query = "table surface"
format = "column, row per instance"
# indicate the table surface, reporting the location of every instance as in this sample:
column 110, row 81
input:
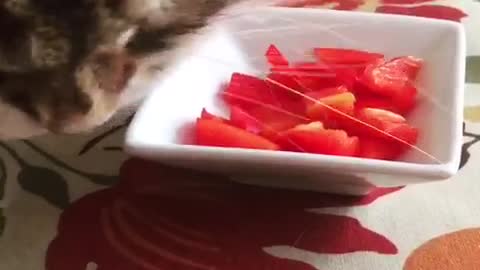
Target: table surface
column 60, row 210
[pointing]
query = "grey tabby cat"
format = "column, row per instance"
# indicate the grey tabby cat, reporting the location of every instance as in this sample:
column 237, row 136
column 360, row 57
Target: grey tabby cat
column 65, row 64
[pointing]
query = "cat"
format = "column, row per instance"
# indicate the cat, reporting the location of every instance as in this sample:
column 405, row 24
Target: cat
column 68, row 66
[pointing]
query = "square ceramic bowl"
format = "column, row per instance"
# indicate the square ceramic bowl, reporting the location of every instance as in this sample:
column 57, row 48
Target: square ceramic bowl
column 164, row 122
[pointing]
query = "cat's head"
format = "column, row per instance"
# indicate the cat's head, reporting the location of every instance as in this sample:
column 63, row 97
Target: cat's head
column 63, row 66
column 64, row 102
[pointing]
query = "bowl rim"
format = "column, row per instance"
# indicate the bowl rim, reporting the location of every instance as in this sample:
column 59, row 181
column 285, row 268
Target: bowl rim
column 135, row 146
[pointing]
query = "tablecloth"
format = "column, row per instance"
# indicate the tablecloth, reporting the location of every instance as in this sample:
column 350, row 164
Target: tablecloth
column 79, row 202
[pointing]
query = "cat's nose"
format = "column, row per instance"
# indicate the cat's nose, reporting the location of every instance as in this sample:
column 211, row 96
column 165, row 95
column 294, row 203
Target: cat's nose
column 113, row 68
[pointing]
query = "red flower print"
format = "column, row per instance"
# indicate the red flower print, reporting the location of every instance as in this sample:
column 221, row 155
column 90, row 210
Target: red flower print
column 403, row 7
column 163, row 218
column 428, row 11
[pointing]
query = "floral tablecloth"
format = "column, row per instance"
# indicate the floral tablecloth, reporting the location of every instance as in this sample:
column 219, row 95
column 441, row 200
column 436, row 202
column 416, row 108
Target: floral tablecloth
column 78, row 202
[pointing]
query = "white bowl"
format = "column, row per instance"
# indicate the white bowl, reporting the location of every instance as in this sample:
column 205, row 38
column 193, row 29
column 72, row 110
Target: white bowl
column 238, row 45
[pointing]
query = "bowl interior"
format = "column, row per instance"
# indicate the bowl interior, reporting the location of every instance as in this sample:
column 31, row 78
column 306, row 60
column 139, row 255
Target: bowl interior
column 238, row 44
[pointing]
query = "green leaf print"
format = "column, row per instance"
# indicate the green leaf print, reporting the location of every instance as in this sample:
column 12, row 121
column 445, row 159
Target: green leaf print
column 473, row 69
column 41, row 181
column 45, row 183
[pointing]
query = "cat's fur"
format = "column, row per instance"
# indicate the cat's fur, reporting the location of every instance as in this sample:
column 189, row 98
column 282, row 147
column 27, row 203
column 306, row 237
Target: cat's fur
column 65, row 65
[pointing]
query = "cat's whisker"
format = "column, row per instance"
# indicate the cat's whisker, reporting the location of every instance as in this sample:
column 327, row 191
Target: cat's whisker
column 305, row 73
column 354, row 119
column 296, row 92
column 270, row 128
column 268, row 106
